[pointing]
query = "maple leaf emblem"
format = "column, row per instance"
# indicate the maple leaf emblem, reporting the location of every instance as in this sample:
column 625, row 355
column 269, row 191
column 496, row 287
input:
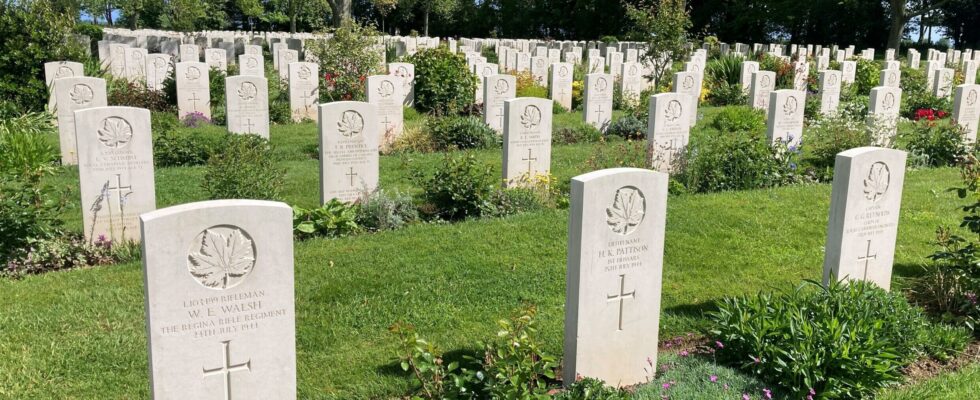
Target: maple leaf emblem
column 115, row 132
column 971, row 98
column 304, row 73
column 386, row 89
column 601, row 85
column 876, row 184
column 627, row 210
column 192, row 73
column 789, row 107
column 766, row 81
column 889, row 101
column 531, row 117
column 351, row 123
column 501, row 86
column 251, row 62
column 221, row 262
column 81, row 94
column 673, row 111
column 688, row 82
column 64, row 72
column 563, row 71
column 248, row 91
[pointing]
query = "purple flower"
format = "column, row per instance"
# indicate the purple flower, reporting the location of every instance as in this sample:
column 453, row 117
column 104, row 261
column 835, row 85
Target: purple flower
column 683, row 353
column 713, row 378
column 666, row 385
column 719, row 344
column 768, row 393
column 745, row 396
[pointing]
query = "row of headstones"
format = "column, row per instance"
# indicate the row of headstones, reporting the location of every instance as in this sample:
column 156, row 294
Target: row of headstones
column 219, row 278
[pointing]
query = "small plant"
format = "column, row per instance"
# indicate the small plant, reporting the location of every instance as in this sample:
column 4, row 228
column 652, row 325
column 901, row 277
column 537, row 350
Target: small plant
column 443, row 82
column 414, row 139
column 122, row 92
column 579, row 132
column 734, row 160
column 195, row 119
column 592, row 389
column 381, row 210
column 461, row 133
column 334, row 219
column 245, row 169
column 936, row 143
column 460, row 188
column 628, row 127
column 175, row 148
column 740, row 119
column 67, row 252
column 826, row 137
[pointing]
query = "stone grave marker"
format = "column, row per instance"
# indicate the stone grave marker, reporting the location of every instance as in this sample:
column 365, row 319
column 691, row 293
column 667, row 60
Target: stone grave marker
column 190, row 53
column 216, row 59
column 115, row 170
column 561, row 84
column 117, row 59
column 801, row 75
column 251, row 64
column 539, row 70
column 247, row 105
column 304, row 89
column 830, row 82
column 966, row 110
column 56, row 70
column 158, row 68
column 848, row 71
column 220, row 313
column 763, row 82
column 349, row 139
column 496, row 90
column 785, row 122
column 632, row 80
column 891, row 78
column 385, row 92
column 689, row 83
column 527, row 140
column 883, row 112
column 597, row 101
column 668, row 128
column 406, row 71
column 136, row 64
column 193, row 89
column 943, row 83
column 72, row 94
column 614, row 275
column 286, row 57
column 482, row 70
column 865, row 205
column 748, row 68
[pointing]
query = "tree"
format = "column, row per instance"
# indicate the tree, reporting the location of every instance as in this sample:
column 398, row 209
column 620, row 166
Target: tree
column 903, row 11
column 251, row 10
column 663, row 25
column 341, row 11
column 384, row 7
column 131, row 10
column 183, row 15
column 442, row 8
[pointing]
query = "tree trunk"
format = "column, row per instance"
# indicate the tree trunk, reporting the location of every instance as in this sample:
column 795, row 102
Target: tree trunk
column 341, row 11
column 108, row 15
column 898, row 21
column 426, row 23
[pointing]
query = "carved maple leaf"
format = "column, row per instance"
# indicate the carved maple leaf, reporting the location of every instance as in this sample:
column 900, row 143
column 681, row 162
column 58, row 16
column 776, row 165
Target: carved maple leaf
column 673, row 111
column 627, row 211
column 531, row 117
column 115, row 132
column 351, row 123
column 221, row 258
column 81, row 94
column 386, row 89
column 247, row 91
column 876, row 184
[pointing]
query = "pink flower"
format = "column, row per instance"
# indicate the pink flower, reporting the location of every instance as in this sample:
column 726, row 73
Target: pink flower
column 767, row 393
column 745, row 396
column 683, row 353
column 666, row 385
column 719, row 345
column 714, row 378
column 756, row 360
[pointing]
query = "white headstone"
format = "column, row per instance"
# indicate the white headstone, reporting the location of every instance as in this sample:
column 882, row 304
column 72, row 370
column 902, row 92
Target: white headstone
column 349, row 139
column 72, row 94
column 943, row 83
column 527, row 140
column 689, row 83
column 539, row 70
column 115, row 171
column 251, row 64
column 220, row 311
column 598, row 100
column 763, row 82
column 216, row 59
column 561, row 84
column 864, row 209
column 496, row 90
column 614, row 275
column 193, row 89
column 60, row 69
column 286, row 57
column 385, row 92
column 801, row 75
column 632, row 80
column 966, row 110
column 748, row 68
column 304, row 89
column 830, row 82
column 247, row 102
column 158, row 68
column 891, row 78
column 848, row 71
column 883, row 112
column 970, row 72
column 785, row 122
column 668, row 128
column 405, row 71
column 117, row 59
column 190, row 53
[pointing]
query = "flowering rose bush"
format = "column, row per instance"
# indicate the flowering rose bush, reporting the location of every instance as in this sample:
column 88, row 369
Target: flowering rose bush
column 929, row 114
column 346, row 60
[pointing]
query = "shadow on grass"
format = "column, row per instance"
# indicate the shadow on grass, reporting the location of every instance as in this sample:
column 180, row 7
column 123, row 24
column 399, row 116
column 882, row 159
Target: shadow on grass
column 696, row 310
column 464, row 357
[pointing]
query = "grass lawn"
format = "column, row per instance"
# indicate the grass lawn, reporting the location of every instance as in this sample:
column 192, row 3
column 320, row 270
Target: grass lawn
column 81, row 334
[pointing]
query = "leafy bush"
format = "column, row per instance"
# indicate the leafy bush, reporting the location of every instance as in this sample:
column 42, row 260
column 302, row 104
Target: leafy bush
column 866, row 76
column 181, row 148
column 622, row 154
column 460, row 133
column 740, row 119
column 784, row 70
column 245, row 169
column 592, row 389
column 628, row 127
column 727, row 94
column 33, row 33
column 578, row 132
column 334, row 219
column 843, row 341
column 93, row 31
column 346, row 60
column 937, row 143
column 826, row 137
column 734, row 160
column 67, row 252
column 443, row 82
column 380, row 210
column 414, row 139
column 726, row 69
column 511, row 201
column 460, row 188
column 122, row 92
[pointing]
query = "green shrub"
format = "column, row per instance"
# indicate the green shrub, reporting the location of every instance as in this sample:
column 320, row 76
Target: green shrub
column 381, row 210
column 740, row 119
column 727, row 94
column 181, row 148
column 460, row 133
column 726, row 69
column 334, row 219
column 538, row 91
column 943, row 342
column 620, row 154
column 826, row 137
column 735, row 160
column 346, row 60
column 414, row 139
column 579, row 132
column 93, row 31
column 592, row 389
column 628, row 127
column 936, row 143
column 217, row 93
column 511, row 201
column 245, row 169
column 784, row 70
column 443, row 82
column 122, row 92
column 33, row 33
column 67, row 251
column 460, row 188
column 866, row 76
column 844, row 341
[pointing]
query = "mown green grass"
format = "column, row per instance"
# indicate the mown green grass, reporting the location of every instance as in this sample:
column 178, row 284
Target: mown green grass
column 80, row 334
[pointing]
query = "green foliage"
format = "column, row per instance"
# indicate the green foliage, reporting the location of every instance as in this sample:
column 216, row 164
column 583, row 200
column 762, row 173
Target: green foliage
column 866, row 76
column 245, row 169
column 460, row 133
column 733, row 160
column 784, row 70
column 67, row 252
column 936, row 143
column 825, row 137
column 122, row 92
column 176, row 148
column 381, row 210
column 943, row 342
column 727, row 94
column 460, row 188
column 32, row 33
column 579, row 132
column 334, row 219
column 93, row 31
column 443, row 83
column 726, row 69
column 843, row 341
column 740, row 119
column 663, row 25
column 621, row 154
column 216, row 87
column 346, row 60
column 592, row 389
column 628, row 127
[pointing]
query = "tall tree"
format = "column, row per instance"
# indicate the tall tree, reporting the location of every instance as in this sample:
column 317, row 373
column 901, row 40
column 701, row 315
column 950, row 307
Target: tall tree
column 903, row 11
column 384, row 8
column 341, row 11
column 442, row 8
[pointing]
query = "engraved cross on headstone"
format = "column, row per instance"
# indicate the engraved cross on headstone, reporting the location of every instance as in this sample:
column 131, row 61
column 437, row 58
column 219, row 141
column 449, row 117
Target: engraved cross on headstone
column 307, row 95
column 227, row 368
column 351, row 175
column 248, row 125
column 500, row 115
column 866, row 259
column 388, row 124
column 194, row 99
column 599, row 113
column 530, row 161
column 621, row 297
